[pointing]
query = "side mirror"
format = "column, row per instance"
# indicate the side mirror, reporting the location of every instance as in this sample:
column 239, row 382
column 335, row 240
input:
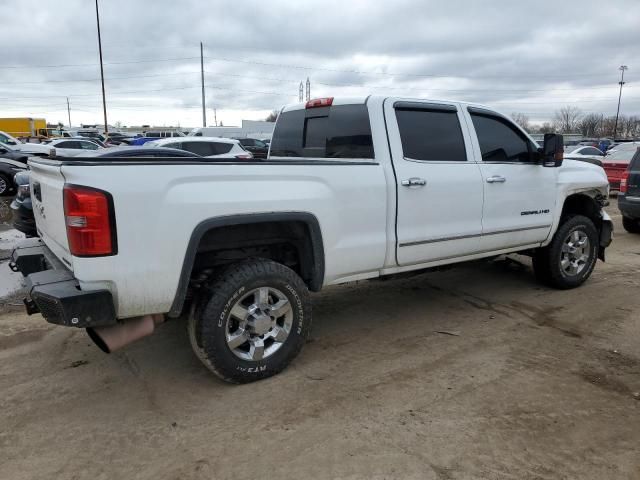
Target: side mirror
column 552, row 150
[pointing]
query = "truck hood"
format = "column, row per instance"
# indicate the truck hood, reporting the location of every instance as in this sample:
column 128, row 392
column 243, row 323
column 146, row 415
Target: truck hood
column 579, row 175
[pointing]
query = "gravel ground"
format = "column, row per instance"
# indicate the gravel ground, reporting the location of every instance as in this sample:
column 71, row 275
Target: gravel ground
column 474, row 372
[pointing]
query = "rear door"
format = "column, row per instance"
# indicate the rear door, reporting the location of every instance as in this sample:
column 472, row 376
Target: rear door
column 439, row 187
column 519, row 193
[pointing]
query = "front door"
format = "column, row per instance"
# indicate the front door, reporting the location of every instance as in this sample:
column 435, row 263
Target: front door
column 439, row 187
column 519, row 193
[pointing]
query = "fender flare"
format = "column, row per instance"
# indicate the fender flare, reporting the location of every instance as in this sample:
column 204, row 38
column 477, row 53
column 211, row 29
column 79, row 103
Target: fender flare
column 308, row 219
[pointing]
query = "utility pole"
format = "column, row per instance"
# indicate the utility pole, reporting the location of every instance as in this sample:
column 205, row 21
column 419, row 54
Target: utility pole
column 308, row 89
column 215, row 117
column 104, row 100
column 69, row 112
column 204, row 112
column 621, row 82
column 301, row 92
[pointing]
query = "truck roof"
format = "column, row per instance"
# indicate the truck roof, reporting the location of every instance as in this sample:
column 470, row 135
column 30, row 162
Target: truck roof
column 358, row 100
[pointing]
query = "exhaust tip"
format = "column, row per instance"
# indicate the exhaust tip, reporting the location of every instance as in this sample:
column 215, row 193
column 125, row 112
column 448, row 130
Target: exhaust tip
column 93, row 335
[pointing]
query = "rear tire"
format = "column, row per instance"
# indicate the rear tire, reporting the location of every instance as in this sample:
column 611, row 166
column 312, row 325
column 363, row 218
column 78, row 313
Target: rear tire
column 631, row 225
column 568, row 261
column 254, row 322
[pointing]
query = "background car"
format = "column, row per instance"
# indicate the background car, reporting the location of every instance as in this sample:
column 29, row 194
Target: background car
column 8, row 169
column 210, row 147
column 145, row 151
column 583, row 151
column 629, row 196
column 616, row 162
column 258, row 148
column 23, row 219
column 72, row 147
column 11, row 153
column 151, row 136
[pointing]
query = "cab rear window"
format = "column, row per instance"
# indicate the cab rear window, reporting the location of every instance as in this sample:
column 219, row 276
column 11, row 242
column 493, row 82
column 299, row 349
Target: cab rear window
column 341, row 131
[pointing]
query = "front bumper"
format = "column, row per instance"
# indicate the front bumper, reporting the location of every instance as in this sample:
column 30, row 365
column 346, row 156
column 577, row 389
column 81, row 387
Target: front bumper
column 54, row 292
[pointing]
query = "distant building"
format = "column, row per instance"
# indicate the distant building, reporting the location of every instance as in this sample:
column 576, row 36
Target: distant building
column 250, row 128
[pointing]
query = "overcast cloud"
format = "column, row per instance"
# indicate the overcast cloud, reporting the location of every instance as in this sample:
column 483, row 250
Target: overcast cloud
column 531, row 58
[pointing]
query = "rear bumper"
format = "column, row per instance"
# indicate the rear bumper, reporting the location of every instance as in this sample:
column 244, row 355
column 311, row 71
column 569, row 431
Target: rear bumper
column 54, row 292
column 629, row 206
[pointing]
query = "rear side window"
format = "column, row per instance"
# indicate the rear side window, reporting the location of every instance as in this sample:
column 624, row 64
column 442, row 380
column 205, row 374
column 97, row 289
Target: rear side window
column 431, row 135
column 221, row 148
column 499, row 140
column 341, row 131
column 591, row 151
column 200, row 148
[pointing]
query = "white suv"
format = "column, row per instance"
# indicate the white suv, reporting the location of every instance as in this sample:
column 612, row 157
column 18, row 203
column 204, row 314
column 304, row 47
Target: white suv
column 210, row 147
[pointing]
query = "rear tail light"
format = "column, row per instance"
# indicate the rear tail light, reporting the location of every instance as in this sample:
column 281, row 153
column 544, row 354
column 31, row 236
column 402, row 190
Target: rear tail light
column 624, row 180
column 90, row 221
column 245, row 156
column 320, row 102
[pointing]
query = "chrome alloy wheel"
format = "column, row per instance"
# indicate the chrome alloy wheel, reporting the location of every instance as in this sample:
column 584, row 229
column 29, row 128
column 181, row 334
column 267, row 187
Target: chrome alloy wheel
column 576, row 253
column 259, row 324
column 3, row 186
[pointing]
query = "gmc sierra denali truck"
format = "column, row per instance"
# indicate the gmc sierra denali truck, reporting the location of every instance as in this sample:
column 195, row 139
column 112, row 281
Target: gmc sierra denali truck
column 352, row 189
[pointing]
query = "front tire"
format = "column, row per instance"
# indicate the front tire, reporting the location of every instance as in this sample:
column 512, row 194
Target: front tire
column 568, row 261
column 6, row 185
column 631, row 225
column 254, row 323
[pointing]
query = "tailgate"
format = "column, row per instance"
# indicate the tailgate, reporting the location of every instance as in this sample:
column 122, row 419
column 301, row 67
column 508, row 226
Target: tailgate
column 47, row 183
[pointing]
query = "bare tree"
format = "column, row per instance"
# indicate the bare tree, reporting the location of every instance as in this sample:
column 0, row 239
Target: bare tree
column 547, row 127
column 591, row 125
column 273, row 116
column 522, row 120
column 566, row 119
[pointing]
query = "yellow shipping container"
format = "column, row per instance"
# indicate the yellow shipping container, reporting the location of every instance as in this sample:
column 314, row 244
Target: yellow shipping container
column 24, row 127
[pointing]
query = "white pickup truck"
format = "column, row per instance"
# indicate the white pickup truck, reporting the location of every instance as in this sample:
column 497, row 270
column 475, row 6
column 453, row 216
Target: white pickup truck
column 352, row 189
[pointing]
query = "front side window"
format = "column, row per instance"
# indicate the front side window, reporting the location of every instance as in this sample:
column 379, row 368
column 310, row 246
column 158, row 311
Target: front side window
column 341, row 131
column 500, row 141
column 67, row 145
column 88, row 146
column 430, row 134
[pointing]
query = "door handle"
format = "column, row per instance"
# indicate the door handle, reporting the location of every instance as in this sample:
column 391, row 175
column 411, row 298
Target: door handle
column 496, row 179
column 414, row 182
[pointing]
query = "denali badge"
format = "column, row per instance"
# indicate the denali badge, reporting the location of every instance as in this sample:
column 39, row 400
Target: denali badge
column 535, row 212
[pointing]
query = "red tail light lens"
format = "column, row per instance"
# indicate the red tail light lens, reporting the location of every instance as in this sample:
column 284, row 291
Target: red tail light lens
column 624, row 180
column 245, row 156
column 320, row 102
column 90, row 221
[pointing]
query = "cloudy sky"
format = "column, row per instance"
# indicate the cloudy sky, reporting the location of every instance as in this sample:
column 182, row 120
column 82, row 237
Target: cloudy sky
column 532, row 59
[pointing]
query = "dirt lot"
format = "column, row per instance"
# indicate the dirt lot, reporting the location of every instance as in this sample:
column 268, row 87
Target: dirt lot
column 524, row 382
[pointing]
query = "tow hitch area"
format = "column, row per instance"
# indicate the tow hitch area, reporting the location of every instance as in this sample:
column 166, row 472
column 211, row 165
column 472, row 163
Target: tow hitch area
column 54, row 292
column 30, row 306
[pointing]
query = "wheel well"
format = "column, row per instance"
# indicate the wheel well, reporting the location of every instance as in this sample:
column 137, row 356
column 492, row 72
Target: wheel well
column 581, row 204
column 292, row 239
